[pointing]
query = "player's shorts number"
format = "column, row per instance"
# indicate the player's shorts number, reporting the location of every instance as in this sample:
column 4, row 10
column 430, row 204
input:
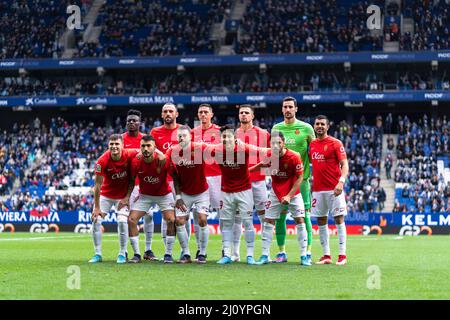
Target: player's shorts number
column 314, row 202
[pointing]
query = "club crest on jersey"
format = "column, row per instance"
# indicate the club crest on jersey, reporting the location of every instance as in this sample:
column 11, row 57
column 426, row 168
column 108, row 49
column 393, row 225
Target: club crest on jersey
column 98, row 168
column 325, row 148
column 297, row 131
column 285, row 166
column 158, row 170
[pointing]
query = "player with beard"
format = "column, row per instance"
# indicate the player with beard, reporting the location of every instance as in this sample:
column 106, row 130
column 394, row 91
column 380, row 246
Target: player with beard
column 132, row 140
column 286, row 180
column 330, row 170
column 153, row 189
column 165, row 136
column 188, row 172
column 298, row 135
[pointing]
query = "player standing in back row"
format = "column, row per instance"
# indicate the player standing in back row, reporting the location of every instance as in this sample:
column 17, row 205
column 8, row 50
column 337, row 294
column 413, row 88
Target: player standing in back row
column 255, row 136
column 208, row 133
column 132, row 140
column 298, row 135
column 330, row 170
column 165, row 136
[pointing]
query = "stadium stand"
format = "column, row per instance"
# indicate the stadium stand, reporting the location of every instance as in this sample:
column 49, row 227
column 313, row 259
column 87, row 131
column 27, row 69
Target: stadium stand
column 31, row 28
column 420, row 185
column 234, row 81
column 155, row 28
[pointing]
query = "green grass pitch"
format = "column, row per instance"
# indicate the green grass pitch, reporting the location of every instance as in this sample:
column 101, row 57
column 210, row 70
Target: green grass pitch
column 35, row 266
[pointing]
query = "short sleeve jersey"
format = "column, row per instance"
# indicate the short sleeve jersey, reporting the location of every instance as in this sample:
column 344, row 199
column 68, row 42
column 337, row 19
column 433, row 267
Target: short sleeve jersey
column 325, row 156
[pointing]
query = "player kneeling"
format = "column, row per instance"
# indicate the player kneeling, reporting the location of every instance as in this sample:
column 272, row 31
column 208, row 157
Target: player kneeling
column 287, row 174
column 188, row 172
column 330, row 169
column 153, row 189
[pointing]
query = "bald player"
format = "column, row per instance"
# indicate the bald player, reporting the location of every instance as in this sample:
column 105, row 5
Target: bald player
column 165, row 136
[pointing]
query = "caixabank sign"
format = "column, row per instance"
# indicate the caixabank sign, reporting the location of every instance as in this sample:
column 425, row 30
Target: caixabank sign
column 363, row 223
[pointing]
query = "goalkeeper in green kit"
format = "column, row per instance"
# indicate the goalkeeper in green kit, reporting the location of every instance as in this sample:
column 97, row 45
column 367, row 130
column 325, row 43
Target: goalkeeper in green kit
column 298, row 135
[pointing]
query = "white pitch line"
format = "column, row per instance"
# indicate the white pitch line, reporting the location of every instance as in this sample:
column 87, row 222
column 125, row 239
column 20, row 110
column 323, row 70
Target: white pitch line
column 51, row 238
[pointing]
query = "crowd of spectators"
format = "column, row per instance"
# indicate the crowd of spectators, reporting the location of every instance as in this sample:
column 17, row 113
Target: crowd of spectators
column 431, row 25
column 277, row 80
column 420, row 144
column 155, row 28
column 32, row 28
column 305, row 26
column 363, row 144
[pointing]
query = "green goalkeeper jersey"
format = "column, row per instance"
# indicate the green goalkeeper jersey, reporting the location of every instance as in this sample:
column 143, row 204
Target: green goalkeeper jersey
column 298, row 135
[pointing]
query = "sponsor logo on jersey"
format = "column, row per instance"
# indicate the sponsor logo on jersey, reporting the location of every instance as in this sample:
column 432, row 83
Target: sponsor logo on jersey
column 151, row 180
column 119, row 175
column 317, row 156
column 167, row 145
column 185, row 163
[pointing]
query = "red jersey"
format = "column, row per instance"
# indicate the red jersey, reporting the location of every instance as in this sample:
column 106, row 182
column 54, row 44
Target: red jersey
column 258, row 137
column 190, row 168
column 152, row 178
column 208, row 136
column 130, row 142
column 164, row 139
column 116, row 174
column 325, row 156
column 235, row 175
column 290, row 167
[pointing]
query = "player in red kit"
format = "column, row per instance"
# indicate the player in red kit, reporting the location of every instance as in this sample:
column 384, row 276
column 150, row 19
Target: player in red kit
column 165, row 137
column 188, row 172
column 208, row 133
column 252, row 135
column 132, row 140
column 236, row 189
column 287, row 175
column 330, row 170
column 112, row 176
column 153, row 189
